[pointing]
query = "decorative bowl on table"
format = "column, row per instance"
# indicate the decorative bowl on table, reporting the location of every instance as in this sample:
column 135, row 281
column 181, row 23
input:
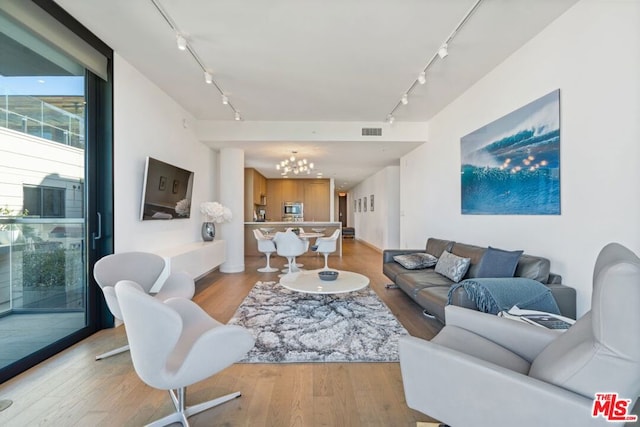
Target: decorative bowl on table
column 328, row 275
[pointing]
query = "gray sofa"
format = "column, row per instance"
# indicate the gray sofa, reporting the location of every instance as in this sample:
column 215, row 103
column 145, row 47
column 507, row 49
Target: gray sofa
column 430, row 289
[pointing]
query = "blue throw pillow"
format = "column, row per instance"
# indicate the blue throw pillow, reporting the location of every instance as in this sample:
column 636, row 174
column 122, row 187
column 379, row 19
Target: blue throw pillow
column 498, row 263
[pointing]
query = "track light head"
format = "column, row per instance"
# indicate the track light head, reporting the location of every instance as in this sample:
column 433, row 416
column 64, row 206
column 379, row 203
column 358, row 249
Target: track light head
column 422, row 78
column 443, row 51
column 404, row 99
column 208, row 78
column 391, row 119
column 182, row 42
column 237, row 116
column 225, row 99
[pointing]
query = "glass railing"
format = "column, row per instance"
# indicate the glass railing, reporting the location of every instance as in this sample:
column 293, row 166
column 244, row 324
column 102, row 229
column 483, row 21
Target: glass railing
column 42, row 265
column 35, row 117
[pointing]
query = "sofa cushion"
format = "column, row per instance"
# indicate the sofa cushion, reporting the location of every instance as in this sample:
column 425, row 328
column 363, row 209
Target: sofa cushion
column 498, row 263
column 414, row 280
column 435, row 247
column 473, row 252
column 452, row 266
column 433, row 299
column 533, row 267
column 417, row 261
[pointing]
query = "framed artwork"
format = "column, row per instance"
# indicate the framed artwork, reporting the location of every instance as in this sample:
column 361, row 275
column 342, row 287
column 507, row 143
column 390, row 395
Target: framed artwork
column 163, row 183
column 512, row 165
column 355, row 205
column 176, row 186
column 371, row 202
column 364, row 203
column 359, row 205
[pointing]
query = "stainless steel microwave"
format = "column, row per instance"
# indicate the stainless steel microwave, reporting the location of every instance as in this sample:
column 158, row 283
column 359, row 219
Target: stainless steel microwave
column 292, row 208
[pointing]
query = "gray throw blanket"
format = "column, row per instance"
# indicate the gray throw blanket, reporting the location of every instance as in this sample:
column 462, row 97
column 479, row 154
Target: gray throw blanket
column 493, row 295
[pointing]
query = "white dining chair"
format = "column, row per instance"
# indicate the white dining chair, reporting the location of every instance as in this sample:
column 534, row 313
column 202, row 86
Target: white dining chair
column 267, row 247
column 326, row 246
column 290, row 246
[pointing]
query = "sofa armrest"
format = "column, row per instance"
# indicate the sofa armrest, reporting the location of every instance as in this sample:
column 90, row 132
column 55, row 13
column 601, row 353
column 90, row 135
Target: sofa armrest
column 461, row 390
column 527, row 341
column 388, row 254
column 565, row 298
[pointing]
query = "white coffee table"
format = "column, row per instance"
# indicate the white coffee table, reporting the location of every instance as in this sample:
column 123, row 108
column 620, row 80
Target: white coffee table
column 309, row 282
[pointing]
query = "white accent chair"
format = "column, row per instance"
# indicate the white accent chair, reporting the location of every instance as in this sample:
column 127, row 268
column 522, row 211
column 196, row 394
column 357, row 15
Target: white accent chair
column 327, row 245
column 267, row 247
column 290, row 246
column 175, row 343
column 483, row 370
column 143, row 268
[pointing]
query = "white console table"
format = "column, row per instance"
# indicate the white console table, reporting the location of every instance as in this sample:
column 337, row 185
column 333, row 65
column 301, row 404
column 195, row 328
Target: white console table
column 196, row 259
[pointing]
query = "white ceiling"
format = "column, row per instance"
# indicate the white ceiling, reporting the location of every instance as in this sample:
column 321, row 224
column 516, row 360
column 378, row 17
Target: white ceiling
column 316, row 61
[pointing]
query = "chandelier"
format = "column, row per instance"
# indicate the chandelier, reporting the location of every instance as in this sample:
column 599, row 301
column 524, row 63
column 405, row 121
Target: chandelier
column 294, row 165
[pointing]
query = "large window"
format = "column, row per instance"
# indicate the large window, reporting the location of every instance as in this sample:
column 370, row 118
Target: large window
column 55, row 127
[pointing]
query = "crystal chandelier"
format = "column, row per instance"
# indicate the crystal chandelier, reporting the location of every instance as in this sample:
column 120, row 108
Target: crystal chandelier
column 294, row 165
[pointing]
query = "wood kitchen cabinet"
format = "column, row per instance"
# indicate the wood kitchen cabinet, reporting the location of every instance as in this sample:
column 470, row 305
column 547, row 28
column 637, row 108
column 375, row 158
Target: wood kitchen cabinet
column 314, row 193
column 255, row 192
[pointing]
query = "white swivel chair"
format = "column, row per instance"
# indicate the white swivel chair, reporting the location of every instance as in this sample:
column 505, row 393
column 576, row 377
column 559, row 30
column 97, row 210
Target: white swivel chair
column 267, row 247
column 175, row 343
column 300, row 231
column 327, row 245
column 290, row 246
column 144, row 268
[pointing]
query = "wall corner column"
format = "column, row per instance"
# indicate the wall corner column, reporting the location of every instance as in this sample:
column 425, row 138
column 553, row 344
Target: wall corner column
column 231, row 181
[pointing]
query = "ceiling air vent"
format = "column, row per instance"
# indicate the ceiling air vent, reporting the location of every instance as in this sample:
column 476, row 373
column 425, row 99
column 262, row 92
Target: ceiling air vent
column 371, row 131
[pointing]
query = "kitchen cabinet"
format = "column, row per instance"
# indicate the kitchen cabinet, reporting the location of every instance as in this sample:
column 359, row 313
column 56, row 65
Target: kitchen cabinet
column 316, row 200
column 255, row 192
column 314, row 193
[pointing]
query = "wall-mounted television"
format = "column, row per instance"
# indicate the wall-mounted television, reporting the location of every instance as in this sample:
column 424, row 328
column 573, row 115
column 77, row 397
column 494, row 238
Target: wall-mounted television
column 166, row 193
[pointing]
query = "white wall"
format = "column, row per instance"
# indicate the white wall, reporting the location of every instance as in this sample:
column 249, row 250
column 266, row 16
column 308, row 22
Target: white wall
column 592, row 53
column 149, row 123
column 378, row 228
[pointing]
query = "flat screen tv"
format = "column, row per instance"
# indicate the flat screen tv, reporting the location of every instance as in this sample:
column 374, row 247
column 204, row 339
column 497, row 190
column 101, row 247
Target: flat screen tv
column 166, row 192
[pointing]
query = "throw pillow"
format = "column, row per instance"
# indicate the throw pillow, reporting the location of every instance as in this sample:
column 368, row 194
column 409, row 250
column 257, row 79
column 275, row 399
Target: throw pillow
column 452, row 266
column 498, row 263
column 416, row 261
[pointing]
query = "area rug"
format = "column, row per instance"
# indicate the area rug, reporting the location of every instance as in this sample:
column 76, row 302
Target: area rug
column 291, row 327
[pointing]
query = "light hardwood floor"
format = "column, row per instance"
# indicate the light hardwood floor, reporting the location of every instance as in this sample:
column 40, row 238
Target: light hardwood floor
column 72, row 389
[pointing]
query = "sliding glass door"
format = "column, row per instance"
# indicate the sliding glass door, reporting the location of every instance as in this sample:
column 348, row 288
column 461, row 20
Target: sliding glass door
column 48, row 152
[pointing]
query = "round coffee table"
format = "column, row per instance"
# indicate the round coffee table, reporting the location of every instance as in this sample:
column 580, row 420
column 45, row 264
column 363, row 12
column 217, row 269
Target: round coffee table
column 309, row 282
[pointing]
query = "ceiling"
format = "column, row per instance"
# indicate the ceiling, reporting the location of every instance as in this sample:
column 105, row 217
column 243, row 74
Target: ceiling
column 316, row 61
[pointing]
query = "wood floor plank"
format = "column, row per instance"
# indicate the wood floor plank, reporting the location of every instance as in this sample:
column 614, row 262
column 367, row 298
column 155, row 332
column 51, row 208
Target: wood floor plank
column 73, row 388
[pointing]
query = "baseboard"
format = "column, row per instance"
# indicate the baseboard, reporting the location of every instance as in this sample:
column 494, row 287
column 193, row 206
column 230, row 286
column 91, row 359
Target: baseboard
column 372, row 246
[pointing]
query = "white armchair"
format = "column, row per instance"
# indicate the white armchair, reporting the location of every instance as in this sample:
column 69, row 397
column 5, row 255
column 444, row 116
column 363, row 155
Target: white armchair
column 482, row 370
column 175, row 343
column 143, row 268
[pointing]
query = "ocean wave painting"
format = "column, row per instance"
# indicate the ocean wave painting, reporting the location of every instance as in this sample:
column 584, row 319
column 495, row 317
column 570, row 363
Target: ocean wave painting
column 512, row 165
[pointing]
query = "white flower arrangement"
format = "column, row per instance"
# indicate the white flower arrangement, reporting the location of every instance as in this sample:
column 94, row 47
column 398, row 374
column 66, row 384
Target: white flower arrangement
column 214, row 211
column 183, row 207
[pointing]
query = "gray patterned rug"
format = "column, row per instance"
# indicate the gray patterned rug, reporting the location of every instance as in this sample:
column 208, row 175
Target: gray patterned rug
column 292, row 327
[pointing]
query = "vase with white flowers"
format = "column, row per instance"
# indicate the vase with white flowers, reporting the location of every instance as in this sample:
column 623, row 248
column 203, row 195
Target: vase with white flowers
column 213, row 212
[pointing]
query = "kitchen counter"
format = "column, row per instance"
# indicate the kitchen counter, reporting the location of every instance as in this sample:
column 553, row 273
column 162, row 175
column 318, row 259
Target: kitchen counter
column 251, row 246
